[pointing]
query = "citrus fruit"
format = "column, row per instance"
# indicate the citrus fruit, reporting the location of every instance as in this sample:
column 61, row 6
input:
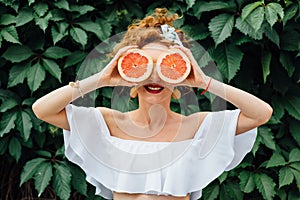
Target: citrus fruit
column 173, row 66
column 135, row 66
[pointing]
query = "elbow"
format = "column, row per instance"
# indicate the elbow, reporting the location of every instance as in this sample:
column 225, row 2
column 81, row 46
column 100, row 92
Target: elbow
column 265, row 114
column 37, row 110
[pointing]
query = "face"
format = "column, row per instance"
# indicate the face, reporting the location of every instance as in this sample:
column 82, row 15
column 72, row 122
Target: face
column 154, row 89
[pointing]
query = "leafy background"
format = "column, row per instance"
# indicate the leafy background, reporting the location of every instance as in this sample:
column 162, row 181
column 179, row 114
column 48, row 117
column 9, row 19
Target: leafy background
column 254, row 43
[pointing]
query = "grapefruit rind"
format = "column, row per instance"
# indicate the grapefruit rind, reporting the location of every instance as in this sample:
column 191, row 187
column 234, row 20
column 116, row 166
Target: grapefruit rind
column 181, row 77
column 148, row 67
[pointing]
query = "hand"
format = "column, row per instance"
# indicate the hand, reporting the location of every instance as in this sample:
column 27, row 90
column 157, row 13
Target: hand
column 196, row 78
column 110, row 75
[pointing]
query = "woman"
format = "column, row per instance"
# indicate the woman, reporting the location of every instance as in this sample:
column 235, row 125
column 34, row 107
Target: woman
column 153, row 152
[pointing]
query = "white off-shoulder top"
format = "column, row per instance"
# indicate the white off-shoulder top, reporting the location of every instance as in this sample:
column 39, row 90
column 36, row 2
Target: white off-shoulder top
column 162, row 168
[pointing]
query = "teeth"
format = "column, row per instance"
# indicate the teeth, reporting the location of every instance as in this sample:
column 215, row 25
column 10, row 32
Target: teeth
column 154, row 88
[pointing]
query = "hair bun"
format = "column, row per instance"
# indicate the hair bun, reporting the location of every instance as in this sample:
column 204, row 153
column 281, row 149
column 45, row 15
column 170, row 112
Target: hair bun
column 159, row 12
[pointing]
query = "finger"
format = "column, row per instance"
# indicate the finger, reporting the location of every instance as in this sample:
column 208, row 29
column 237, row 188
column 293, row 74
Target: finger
column 124, row 49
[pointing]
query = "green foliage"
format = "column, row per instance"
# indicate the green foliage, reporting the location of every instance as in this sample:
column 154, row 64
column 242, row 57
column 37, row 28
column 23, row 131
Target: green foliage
column 255, row 45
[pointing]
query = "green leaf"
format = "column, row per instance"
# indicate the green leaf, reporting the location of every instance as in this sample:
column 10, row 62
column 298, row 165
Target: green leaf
column 13, row 4
column 202, row 6
column 62, row 4
column 81, row 9
column 28, row 101
column 190, row 3
column 58, row 15
column 58, row 34
column 7, row 122
column 24, row 16
column 256, row 145
column 223, row 177
column 30, row 168
column 289, row 40
column 56, row 52
column 102, row 30
column 297, row 177
column 256, row 18
column 24, row 124
column 292, row 106
column 17, row 53
column 40, row 8
column 245, row 27
column 3, row 145
column 267, row 137
column 78, row 180
column 271, row 11
column 45, row 154
column 233, row 191
column 42, row 176
column 265, row 62
column 294, row 126
column 289, row 13
column 17, row 74
column 62, row 181
column 276, row 160
column 228, row 58
column 286, row 176
column 197, row 32
column 265, row 186
column 75, row 58
column 295, row 166
column 35, row 75
column 60, row 152
column 43, row 22
column 294, row 155
column 248, row 9
column 247, row 182
column 15, row 148
column 30, row 2
column 10, row 34
column 79, row 36
column 211, row 192
column 287, row 62
column 221, row 27
column 105, row 29
column 272, row 35
column 9, row 100
column 7, row 19
column 53, row 68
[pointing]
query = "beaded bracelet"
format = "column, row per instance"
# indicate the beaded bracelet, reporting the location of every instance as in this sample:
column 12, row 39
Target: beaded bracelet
column 76, row 85
column 206, row 89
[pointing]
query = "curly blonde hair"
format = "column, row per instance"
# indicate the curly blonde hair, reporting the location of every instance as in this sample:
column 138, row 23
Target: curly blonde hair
column 147, row 30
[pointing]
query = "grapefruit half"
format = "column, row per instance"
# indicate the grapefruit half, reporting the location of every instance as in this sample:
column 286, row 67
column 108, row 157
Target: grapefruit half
column 173, row 66
column 135, row 66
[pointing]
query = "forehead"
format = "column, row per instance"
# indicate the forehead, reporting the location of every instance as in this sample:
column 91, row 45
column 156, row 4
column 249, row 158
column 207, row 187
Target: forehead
column 154, row 49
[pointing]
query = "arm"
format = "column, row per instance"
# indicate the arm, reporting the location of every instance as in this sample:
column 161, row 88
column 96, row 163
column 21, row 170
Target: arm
column 51, row 107
column 254, row 111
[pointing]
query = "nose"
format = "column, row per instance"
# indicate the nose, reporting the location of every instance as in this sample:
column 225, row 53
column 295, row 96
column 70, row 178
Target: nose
column 154, row 75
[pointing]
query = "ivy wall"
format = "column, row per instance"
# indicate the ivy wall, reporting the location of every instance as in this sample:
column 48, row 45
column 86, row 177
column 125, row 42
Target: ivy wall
column 255, row 44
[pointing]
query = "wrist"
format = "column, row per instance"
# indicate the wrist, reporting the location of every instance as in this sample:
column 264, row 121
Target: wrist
column 207, row 82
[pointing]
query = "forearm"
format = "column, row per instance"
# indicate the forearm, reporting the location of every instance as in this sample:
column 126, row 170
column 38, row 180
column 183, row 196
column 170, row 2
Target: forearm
column 251, row 106
column 56, row 101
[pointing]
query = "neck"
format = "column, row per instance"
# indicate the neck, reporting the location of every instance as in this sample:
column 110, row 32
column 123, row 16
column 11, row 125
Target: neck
column 150, row 113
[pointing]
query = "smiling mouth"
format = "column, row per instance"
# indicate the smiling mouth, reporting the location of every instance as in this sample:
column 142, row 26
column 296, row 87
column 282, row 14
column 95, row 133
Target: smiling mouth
column 153, row 88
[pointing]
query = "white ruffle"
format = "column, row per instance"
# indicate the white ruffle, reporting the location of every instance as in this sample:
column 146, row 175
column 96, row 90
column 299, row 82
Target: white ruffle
column 162, row 168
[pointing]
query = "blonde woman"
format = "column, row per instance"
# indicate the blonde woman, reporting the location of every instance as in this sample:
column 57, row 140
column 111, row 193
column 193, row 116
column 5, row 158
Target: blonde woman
column 153, row 152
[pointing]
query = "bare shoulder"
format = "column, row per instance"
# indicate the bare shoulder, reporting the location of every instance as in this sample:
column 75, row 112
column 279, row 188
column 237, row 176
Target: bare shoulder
column 193, row 122
column 110, row 114
column 197, row 117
